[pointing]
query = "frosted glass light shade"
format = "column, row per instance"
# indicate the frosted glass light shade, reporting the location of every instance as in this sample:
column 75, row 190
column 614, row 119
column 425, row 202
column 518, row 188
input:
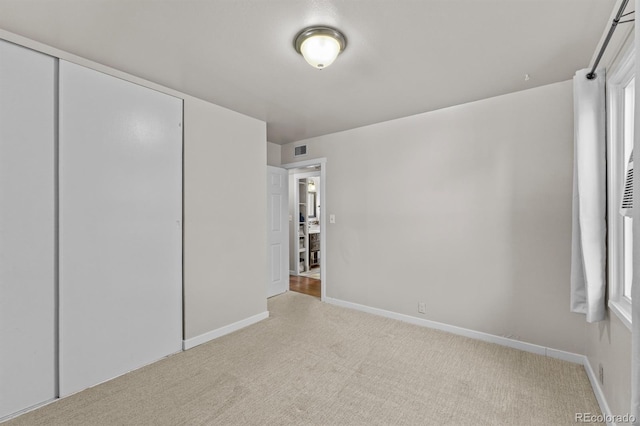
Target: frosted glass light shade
column 320, row 51
column 320, row 46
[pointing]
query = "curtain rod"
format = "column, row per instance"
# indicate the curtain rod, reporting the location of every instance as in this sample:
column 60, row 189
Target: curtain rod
column 614, row 24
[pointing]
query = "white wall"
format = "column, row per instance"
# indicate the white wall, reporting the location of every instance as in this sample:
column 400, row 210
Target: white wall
column 273, row 154
column 609, row 346
column 225, row 229
column 467, row 209
column 224, row 165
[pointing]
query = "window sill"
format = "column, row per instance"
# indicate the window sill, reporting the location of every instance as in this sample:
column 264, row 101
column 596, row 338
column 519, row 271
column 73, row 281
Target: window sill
column 622, row 311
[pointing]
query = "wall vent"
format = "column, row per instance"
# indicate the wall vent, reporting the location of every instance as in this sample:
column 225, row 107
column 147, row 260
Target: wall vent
column 300, row 151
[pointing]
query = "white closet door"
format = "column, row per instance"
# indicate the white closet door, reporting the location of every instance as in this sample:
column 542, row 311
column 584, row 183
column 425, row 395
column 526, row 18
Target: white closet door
column 27, row 226
column 120, row 226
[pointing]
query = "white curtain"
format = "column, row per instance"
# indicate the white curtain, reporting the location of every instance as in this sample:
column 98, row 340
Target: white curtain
column 588, row 255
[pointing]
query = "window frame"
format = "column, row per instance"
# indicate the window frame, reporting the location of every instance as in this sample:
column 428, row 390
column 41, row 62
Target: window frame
column 620, row 77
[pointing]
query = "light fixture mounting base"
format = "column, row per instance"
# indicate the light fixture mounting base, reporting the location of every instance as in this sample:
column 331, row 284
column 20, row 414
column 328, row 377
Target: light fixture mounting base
column 319, row 30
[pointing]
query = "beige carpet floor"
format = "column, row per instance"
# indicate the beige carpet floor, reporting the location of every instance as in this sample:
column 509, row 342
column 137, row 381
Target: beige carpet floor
column 312, row 363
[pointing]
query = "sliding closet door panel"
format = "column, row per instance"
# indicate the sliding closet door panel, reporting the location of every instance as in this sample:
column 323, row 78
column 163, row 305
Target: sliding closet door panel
column 27, row 226
column 120, row 226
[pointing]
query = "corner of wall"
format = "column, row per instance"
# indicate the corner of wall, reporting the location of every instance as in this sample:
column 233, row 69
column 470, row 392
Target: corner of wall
column 274, row 154
column 225, row 256
column 609, row 355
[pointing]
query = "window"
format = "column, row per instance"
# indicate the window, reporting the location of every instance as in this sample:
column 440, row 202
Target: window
column 621, row 101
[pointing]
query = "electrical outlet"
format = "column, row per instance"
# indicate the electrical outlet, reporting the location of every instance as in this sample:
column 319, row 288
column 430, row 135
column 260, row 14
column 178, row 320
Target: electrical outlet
column 601, row 374
column 422, row 308
column 332, row 218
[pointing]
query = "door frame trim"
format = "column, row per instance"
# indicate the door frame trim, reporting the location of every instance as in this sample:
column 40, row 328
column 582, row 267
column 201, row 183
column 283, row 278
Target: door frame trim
column 322, row 162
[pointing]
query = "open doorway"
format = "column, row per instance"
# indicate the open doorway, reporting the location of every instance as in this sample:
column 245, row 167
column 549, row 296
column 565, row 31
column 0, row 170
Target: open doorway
column 305, row 285
column 307, row 227
column 305, row 255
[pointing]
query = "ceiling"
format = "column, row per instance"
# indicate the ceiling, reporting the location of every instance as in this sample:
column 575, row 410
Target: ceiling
column 403, row 56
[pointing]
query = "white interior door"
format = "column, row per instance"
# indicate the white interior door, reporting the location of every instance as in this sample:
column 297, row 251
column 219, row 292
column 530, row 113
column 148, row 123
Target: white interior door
column 27, row 226
column 120, row 226
column 278, row 232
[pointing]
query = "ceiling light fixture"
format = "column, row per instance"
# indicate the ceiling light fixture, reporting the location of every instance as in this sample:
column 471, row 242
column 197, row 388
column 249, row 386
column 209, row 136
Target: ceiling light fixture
column 320, row 46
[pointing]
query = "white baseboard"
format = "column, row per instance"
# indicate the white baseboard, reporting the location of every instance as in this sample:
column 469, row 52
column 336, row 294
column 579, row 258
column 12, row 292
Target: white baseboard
column 478, row 335
column 491, row 338
column 26, row 410
column 597, row 390
column 219, row 332
column 566, row 356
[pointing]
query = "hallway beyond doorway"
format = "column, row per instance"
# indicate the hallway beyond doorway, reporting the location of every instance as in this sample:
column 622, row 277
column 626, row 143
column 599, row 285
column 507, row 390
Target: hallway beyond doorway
column 314, row 272
column 305, row 285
